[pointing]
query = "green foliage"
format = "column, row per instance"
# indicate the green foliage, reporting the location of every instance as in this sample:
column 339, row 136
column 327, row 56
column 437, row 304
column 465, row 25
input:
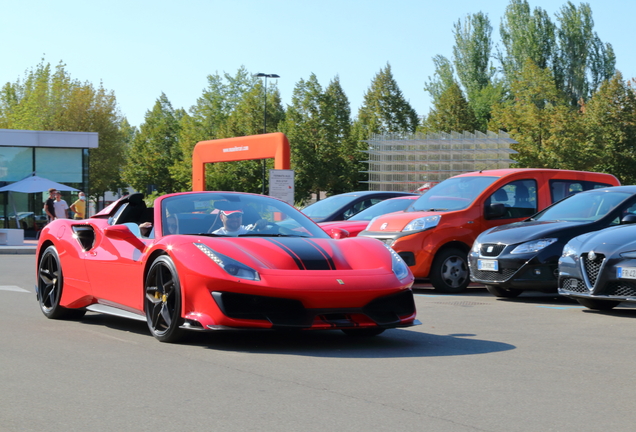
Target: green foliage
column 538, row 117
column 384, row 108
column 318, row 128
column 471, row 53
column 526, row 35
column 610, row 126
column 451, row 112
column 51, row 100
column 155, row 149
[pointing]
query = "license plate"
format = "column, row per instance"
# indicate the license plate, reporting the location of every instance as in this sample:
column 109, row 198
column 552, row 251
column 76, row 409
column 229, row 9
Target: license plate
column 626, row 272
column 487, row 265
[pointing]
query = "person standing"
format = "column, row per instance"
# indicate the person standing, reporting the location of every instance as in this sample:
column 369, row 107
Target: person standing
column 61, row 207
column 79, row 207
column 49, row 206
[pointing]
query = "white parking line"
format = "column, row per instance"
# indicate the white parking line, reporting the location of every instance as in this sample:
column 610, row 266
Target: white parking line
column 12, row 288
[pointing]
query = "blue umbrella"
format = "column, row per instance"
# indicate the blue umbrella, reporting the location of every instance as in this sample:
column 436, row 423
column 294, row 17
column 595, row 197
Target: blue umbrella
column 35, row 184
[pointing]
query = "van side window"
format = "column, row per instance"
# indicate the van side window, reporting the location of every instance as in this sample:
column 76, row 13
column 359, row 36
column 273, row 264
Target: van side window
column 518, row 197
column 560, row 189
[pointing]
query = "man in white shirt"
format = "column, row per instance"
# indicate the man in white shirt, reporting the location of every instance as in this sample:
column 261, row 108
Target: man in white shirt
column 61, row 208
column 233, row 224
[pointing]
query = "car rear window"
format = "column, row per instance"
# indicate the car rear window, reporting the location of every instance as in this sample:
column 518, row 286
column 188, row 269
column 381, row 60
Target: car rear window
column 559, row 189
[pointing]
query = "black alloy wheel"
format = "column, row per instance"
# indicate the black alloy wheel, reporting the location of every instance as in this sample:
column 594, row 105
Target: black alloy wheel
column 50, row 285
column 163, row 300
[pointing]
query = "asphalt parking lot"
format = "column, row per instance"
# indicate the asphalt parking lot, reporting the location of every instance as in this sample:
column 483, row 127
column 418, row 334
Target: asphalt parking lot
column 477, row 363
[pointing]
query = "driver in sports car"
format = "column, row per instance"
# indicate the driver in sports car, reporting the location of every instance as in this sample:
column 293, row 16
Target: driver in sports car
column 233, row 224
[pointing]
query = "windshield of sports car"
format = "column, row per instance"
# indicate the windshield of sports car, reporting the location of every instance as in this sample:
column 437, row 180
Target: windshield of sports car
column 381, row 208
column 455, row 193
column 584, row 206
column 234, row 214
column 328, row 206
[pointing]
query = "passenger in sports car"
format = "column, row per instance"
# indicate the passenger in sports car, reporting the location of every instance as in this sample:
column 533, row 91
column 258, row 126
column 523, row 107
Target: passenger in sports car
column 233, row 224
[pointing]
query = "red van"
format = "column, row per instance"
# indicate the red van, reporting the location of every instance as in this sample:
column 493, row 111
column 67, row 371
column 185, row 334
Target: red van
column 435, row 234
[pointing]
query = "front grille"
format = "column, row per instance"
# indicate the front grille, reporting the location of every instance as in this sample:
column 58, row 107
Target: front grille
column 620, row 289
column 574, row 285
column 388, row 310
column 491, row 249
column 501, row 275
column 592, row 268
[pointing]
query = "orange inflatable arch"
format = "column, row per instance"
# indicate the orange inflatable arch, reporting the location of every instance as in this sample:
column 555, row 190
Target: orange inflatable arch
column 265, row 146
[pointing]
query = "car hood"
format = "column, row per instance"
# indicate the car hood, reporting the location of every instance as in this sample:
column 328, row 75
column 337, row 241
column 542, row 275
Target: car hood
column 295, row 253
column 608, row 242
column 520, row 232
column 397, row 221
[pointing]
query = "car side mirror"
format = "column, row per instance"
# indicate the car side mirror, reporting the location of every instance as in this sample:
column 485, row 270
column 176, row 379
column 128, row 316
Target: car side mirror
column 122, row 232
column 337, row 233
column 494, row 211
column 628, row 219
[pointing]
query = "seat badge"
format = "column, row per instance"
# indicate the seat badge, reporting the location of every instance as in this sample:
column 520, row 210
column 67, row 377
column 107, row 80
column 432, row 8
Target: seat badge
column 340, row 281
column 384, row 225
column 489, row 249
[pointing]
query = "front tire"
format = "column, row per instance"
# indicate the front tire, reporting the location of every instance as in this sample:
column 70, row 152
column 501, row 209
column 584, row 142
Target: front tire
column 163, row 300
column 501, row 292
column 602, row 305
column 50, row 286
column 449, row 272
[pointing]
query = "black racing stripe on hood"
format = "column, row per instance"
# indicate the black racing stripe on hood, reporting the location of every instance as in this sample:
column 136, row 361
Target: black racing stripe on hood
column 307, row 254
column 299, row 263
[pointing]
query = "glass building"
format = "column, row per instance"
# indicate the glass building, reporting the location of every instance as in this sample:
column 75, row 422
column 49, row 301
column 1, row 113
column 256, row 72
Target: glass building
column 58, row 156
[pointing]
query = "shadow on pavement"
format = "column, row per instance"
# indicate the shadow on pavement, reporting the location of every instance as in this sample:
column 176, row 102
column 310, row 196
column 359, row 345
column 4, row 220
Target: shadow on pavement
column 394, row 343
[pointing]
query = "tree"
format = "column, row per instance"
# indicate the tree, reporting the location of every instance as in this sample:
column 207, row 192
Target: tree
column 539, row 118
column 471, row 53
column 583, row 61
column 384, row 108
column 155, row 149
column 526, row 35
column 53, row 101
column 610, row 124
column 230, row 106
column 471, row 59
column 451, row 112
column 337, row 114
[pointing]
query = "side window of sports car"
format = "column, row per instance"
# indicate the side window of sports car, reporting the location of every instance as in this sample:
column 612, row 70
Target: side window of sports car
column 113, row 219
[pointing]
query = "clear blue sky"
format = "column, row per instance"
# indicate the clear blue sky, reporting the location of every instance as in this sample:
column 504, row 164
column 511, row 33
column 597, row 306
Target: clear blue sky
column 140, row 48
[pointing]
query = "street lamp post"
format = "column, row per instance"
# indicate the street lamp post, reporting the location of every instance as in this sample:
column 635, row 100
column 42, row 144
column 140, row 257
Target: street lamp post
column 264, row 75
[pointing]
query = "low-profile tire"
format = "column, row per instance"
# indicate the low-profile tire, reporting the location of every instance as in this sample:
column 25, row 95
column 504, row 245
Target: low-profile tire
column 163, row 300
column 603, row 305
column 501, row 292
column 449, row 272
column 363, row 332
column 50, row 286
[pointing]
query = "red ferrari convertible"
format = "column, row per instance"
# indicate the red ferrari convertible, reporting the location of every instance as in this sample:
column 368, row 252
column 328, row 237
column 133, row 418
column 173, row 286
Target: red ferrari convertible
column 219, row 260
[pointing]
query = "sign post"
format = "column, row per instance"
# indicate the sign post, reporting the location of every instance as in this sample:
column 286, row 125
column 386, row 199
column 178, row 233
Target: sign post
column 281, row 185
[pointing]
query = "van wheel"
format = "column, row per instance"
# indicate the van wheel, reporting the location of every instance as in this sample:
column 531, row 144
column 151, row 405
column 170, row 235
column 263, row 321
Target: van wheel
column 501, row 292
column 449, row 272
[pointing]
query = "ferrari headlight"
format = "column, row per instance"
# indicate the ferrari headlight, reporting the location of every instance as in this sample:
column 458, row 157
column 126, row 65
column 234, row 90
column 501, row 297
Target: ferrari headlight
column 533, row 246
column 399, row 267
column 422, row 223
column 231, row 266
